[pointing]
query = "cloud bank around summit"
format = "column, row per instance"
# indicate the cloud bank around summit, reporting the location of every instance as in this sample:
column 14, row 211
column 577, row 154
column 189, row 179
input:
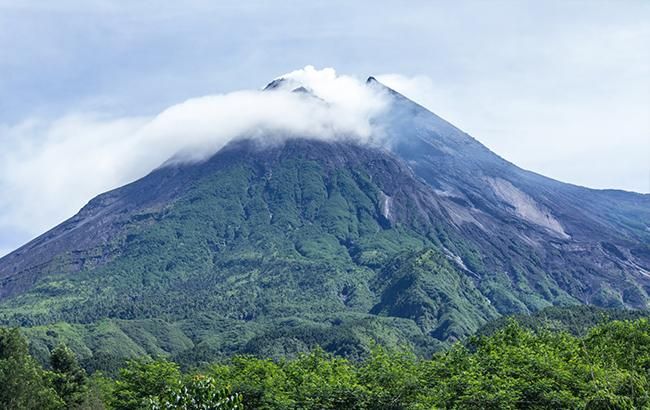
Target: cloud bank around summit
column 50, row 169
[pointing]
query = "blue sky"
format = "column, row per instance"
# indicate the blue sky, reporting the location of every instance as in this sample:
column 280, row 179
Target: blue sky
column 558, row 87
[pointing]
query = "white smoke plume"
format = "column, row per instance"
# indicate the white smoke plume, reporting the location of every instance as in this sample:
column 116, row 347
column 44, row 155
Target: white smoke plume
column 49, row 170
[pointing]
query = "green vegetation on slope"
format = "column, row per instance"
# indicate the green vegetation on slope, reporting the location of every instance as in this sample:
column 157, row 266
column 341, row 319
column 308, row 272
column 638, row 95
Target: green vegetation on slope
column 303, row 247
column 513, row 368
column 274, row 251
column 576, row 320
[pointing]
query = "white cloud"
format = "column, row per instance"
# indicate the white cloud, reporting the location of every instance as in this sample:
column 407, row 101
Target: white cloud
column 48, row 170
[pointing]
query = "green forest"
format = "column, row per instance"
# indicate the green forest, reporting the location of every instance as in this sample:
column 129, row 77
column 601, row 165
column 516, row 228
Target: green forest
column 512, row 365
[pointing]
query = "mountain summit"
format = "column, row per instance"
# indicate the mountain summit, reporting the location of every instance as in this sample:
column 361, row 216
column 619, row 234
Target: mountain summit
column 273, row 248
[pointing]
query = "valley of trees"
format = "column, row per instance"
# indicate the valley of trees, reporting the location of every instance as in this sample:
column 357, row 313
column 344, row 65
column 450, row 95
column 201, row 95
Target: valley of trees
column 512, row 366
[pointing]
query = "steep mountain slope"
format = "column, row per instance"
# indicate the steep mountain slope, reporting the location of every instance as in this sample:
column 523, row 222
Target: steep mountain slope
column 584, row 240
column 272, row 248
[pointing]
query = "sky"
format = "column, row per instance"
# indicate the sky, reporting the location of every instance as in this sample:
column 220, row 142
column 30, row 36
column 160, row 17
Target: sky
column 558, row 87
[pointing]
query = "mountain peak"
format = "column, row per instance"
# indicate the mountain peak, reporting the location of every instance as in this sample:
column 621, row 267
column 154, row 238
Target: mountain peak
column 276, row 84
column 427, row 237
column 288, row 84
column 293, row 84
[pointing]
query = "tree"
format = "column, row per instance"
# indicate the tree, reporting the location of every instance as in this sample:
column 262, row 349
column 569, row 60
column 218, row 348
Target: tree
column 319, row 380
column 70, row 380
column 143, row 380
column 392, row 378
column 512, row 369
column 262, row 382
column 23, row 383
column 197, row 392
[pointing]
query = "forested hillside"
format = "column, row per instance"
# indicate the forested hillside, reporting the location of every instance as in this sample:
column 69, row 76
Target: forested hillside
column 513, row 368
column 576, row 320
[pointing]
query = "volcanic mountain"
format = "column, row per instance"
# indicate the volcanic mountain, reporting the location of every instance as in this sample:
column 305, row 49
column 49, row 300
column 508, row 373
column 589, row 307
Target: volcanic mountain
column 272, row 248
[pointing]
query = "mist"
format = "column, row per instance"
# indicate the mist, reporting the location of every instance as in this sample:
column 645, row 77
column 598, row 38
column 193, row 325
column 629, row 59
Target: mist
column 50, row 169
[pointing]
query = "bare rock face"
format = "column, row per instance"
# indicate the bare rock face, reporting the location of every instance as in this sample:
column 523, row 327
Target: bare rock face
column 525, row 207
column 432, row 229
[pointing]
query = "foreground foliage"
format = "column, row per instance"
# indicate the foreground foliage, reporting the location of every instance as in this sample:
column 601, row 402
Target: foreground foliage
column 513, row 368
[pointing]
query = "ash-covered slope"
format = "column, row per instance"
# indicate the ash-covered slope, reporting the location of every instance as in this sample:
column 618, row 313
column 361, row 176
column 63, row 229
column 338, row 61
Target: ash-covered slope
column 419, row 240
column 581, row 238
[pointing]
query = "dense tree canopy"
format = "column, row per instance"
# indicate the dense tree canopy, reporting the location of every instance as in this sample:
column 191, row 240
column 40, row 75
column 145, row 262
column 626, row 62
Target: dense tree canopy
column 23, row 383
column 512, row 368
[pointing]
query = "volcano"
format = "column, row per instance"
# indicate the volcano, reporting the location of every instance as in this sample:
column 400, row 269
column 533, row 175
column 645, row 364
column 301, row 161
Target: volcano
column 273, row 248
